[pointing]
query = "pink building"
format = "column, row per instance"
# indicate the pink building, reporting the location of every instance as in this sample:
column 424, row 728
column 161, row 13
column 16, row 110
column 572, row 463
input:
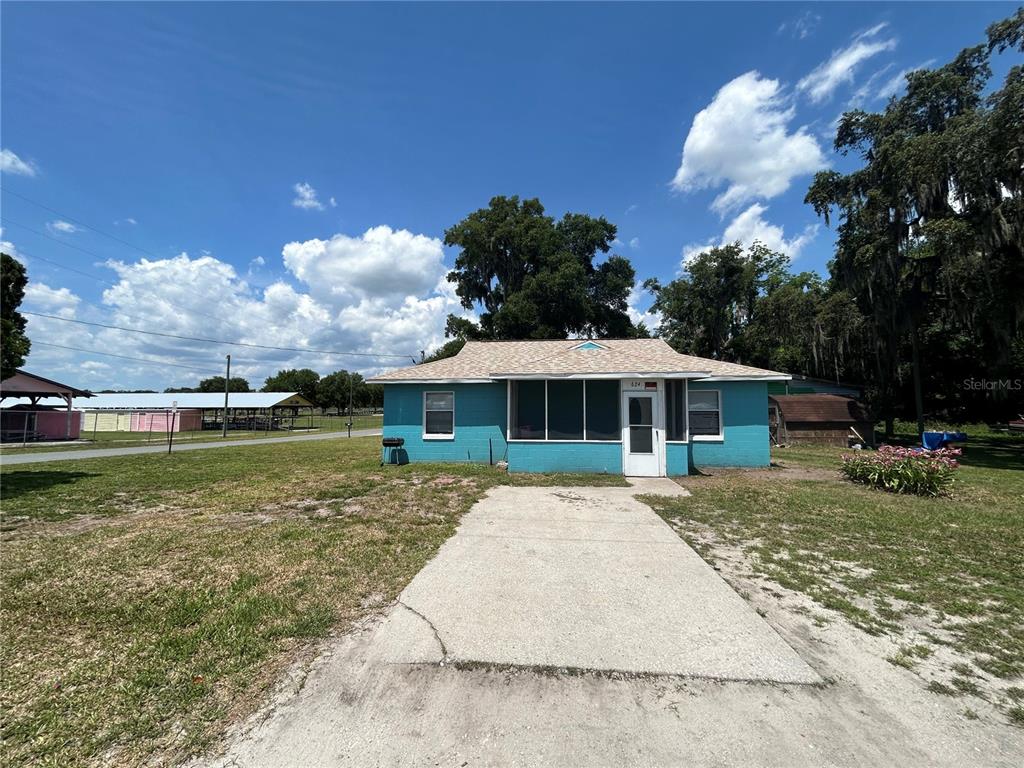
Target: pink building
column 158, row 421
column 32, row 421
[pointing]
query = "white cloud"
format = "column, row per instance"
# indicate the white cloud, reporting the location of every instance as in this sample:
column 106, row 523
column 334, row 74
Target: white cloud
column 416, row 324
column 631, row 208
column 842, row 65
column 383, row 292
column 11, row 163
column 751, row 226
column 802, row 26
column 742, row 139
column 638, row 307
column 898, row 82
column 61, row 227
column 305, row 197
column 380, row 262
column 52, row 301
column 636, row 314
column 893, row 85
column 866, row 91
column 129, row 221
column 6, row 246
column 334, row 203
column 634, row 243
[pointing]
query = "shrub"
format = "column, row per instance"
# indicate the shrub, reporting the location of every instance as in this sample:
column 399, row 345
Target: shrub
column 903, row 470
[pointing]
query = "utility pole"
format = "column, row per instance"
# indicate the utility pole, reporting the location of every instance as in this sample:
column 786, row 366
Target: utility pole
column 170, row 429
column 227, row 386
column 349, row 403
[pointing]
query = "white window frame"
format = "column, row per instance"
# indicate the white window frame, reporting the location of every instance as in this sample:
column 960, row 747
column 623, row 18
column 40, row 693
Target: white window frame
column 438, row 435
column 721, row 419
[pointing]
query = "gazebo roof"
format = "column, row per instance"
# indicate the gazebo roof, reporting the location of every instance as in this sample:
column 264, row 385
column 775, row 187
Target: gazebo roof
column 25, row 384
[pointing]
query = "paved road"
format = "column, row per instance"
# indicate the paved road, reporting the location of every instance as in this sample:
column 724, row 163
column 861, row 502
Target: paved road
column 33, row 458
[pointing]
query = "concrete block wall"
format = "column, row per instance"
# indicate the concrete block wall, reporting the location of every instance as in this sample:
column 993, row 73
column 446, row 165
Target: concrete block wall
column 575, row 456
column 745, row 441
column 677, row 459
column 480, row 422
column 480, row 415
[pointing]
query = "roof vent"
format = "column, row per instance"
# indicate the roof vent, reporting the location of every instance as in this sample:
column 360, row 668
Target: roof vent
column 590, row 345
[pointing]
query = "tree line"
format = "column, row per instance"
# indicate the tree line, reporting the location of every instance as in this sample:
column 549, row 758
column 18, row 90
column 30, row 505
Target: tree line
column 924, row 298
column 331, row 391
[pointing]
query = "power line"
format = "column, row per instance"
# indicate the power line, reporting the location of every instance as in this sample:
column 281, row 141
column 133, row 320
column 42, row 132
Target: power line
column 86, row 251
column 218, row 341
column 79, row 222
column 122, row 357
column 151, row 292
column 215, row 367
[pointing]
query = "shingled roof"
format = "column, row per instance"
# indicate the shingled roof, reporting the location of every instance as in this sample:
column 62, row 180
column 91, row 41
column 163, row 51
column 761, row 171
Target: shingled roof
column 568, row 358
column 813, row 408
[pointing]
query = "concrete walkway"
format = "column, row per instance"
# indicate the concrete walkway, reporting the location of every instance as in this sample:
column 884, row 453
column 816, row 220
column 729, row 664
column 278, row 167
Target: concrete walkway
column 7, row 459
column 586, row 579
column 553, row 629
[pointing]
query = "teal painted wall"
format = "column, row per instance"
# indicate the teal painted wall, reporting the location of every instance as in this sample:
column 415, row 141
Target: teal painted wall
column 537, row 456
column 677, row 459
column 745, row 418
column 480, row 415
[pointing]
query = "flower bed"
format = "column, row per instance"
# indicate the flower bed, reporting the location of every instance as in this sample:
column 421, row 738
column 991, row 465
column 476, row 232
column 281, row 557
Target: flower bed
column 903, row 470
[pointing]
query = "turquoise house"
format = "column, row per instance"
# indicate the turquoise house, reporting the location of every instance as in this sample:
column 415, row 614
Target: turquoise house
column 620, row 406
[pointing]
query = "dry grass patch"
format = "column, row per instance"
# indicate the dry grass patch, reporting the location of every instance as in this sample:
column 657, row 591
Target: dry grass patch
column 944, row 577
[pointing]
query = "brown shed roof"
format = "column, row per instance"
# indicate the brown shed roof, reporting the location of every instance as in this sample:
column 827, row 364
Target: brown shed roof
column 25, row 384
column 820, row 408
column 486, row 360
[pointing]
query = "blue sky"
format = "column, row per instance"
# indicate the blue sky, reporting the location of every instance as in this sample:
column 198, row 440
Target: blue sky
column 284, row 173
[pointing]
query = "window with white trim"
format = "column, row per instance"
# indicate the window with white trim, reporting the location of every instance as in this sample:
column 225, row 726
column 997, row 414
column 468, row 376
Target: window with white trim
column 438, row 414
column 705, row 414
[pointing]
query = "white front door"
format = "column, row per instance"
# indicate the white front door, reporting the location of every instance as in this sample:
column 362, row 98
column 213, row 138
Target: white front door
column 641, row 442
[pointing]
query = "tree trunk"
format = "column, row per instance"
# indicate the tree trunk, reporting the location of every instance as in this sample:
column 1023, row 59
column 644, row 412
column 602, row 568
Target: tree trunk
column 916, row 361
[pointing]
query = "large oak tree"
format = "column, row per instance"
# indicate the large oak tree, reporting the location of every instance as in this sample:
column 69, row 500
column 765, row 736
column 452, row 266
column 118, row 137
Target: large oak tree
column 537, row 278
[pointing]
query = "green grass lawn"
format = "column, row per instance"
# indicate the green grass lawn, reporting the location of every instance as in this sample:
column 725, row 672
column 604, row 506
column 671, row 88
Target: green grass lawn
column 888, row 562
column 150, row 600
column 91, row 440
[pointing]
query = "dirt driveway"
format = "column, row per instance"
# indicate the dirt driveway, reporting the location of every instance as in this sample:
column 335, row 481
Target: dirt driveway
column 571, row 626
